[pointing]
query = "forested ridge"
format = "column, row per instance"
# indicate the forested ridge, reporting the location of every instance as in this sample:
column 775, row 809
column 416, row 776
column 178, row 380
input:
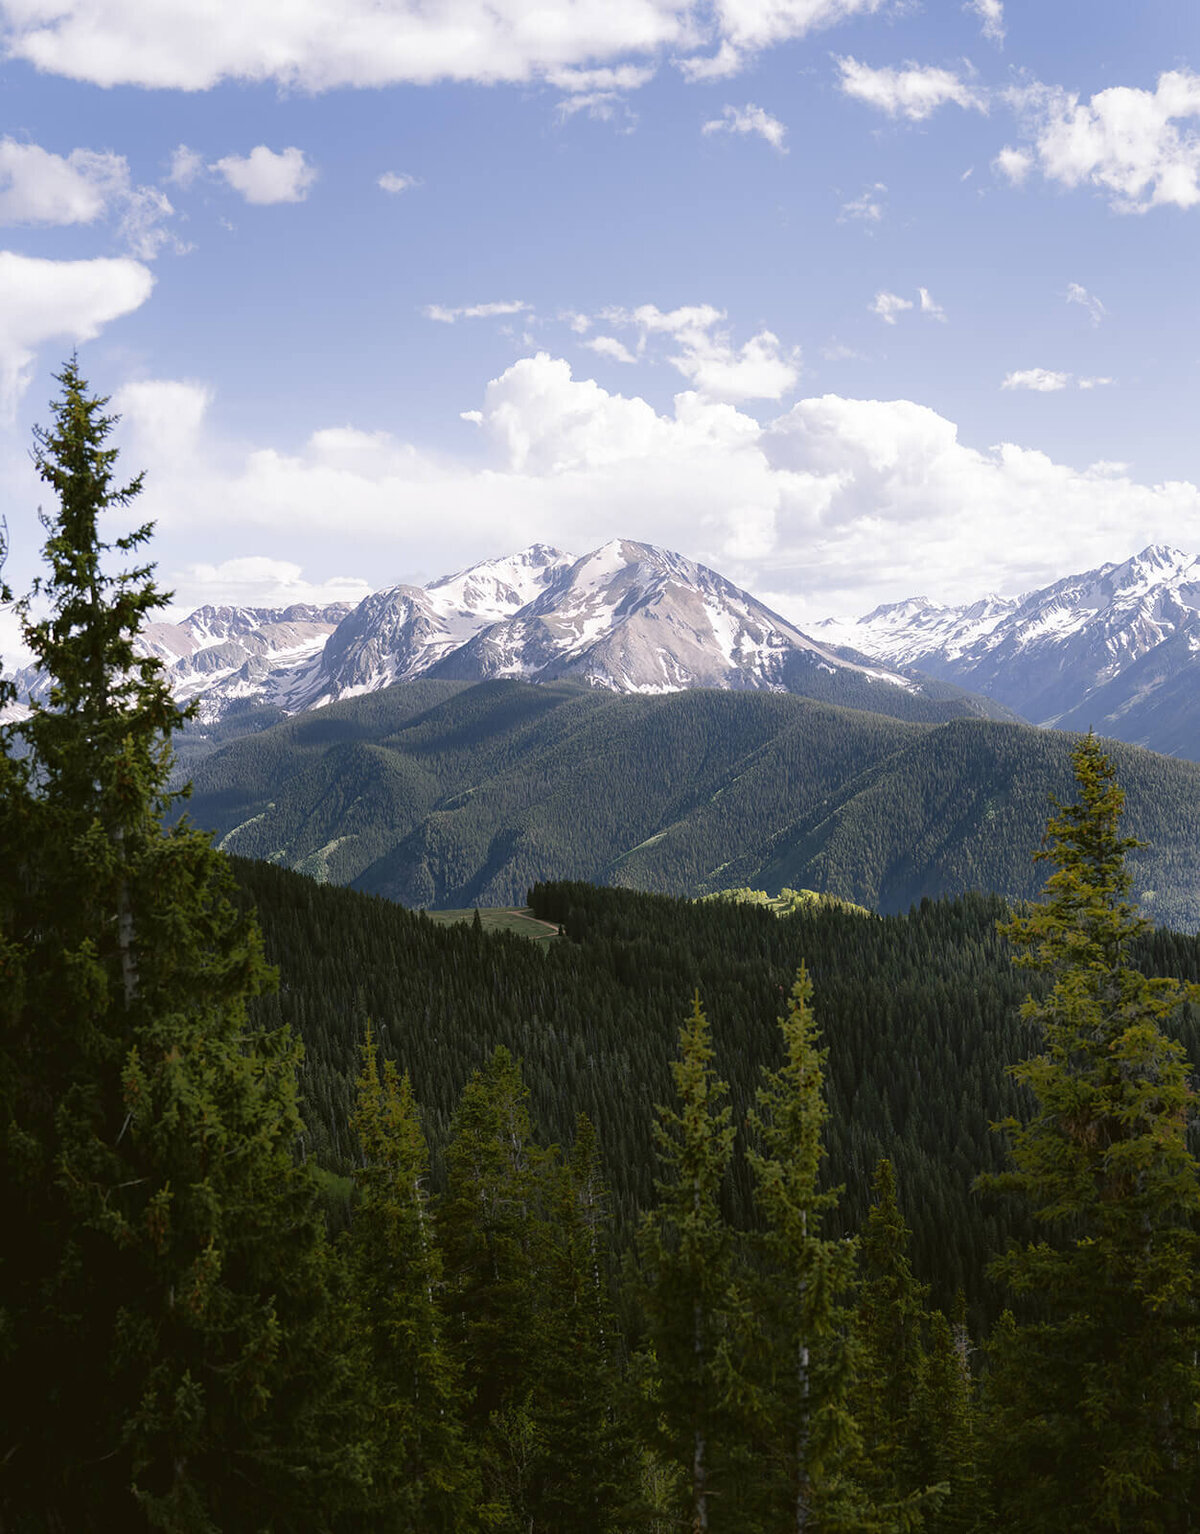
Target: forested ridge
column 397, row 1280
column 440, row 794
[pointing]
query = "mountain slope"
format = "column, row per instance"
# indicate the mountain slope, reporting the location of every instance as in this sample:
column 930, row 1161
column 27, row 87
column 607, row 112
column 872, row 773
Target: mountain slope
column 627, row 618
column 1117, row 647
column 441, row 793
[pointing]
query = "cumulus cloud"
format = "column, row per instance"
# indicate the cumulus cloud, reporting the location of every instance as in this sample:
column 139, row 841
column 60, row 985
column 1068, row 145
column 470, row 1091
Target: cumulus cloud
column 264, row 176
column 1040, row 380
column 1139, row 147
column 447, row 316
column 1013, row 164
column 834, row 505
column 396, row 181
column 888, row 305
column 1077, row 294
column 991, row 16
column 58, row 300
column 914, row 92
column 330, row 44
column 706, row 356
column 609, row 346
column 38, row 187
column 749, row 119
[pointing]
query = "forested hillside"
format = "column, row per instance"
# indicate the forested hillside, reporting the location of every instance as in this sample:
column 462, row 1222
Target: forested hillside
column 440, row 794
column 919, row 1012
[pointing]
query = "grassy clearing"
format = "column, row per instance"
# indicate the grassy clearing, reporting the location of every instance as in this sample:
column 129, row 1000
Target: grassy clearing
column 518, row 919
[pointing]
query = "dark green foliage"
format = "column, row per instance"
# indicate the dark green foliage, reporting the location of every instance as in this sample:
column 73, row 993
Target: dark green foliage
column 1096, row 1390
column 164, row 1280
column 420, row 1472
column 799, row 1326
column 686, row 1249
column 443, row 794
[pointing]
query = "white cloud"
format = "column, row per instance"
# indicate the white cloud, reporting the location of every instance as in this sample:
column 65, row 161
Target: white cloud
column 835, row 505
column 397, row 181
column 1040, row 380
column 1077, row 294
column 868, row 207
column 58, row 300
column 609, row 346
column 264, row 176
column 749, row 119
column 707, row 358
column 257, row 580
column 1014, row 164
column 991, row 14
column 328, row 44
column 930, row 307
column 915, row 93
column 1096, row 383
column 474, row 311
column 37, row 187
column 888, row 305
column 1135, row 145
column 186, row 165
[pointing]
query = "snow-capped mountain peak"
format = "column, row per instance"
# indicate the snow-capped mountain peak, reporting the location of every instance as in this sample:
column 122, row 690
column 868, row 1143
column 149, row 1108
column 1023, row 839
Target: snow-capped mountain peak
column 1066, row 653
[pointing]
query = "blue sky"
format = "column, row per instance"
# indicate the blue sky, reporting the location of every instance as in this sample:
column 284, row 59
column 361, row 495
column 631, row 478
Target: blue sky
column 849, row 299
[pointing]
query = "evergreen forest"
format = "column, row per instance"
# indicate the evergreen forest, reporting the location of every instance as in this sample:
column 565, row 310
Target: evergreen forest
column 322, row 1215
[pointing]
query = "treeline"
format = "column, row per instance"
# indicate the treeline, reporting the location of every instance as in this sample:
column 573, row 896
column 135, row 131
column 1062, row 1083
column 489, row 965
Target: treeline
column 920, row 1014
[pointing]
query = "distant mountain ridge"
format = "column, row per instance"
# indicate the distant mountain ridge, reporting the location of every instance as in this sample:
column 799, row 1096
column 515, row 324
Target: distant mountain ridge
column 627, row 617
column 447, row 794
column 1116, row 648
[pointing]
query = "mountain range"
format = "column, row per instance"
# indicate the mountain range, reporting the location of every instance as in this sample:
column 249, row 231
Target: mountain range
column 628, row 618
column 442, row 793
column 1114, row 649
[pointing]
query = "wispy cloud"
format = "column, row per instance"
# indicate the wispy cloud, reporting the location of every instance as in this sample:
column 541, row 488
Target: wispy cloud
column 474, row 311
column 749, row 119
column 868, row 207
column 928, row 306
column 1077, row 294
column 991, row 15
column 888, row 305
column 913, row 92
column 1040, row 380
column 395, row 182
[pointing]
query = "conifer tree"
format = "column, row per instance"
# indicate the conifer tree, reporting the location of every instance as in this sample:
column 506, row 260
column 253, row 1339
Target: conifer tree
column 494, row 1239
column 421, row 1478
column 586, row 1447
column 801, row 1322
column 892, row 1320
column 686, row 1249
column 1096, row 1390
column 167, row 1353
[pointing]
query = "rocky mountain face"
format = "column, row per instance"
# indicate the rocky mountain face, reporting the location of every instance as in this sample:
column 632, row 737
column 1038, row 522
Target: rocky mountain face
column 1116, row 649
column 628, row 617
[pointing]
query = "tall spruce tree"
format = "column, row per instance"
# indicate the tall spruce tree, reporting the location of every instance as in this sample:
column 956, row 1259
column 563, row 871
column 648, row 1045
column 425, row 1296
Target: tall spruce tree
column 494, row 1239
column 801, row 1323
column 586, row 1446
column 163, row 1272
column 686, row 1249
column 1096, row 1388
column 892, row 1322
column 421, row 1475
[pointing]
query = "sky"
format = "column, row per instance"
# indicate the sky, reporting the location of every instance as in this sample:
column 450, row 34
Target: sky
column 851, row 300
